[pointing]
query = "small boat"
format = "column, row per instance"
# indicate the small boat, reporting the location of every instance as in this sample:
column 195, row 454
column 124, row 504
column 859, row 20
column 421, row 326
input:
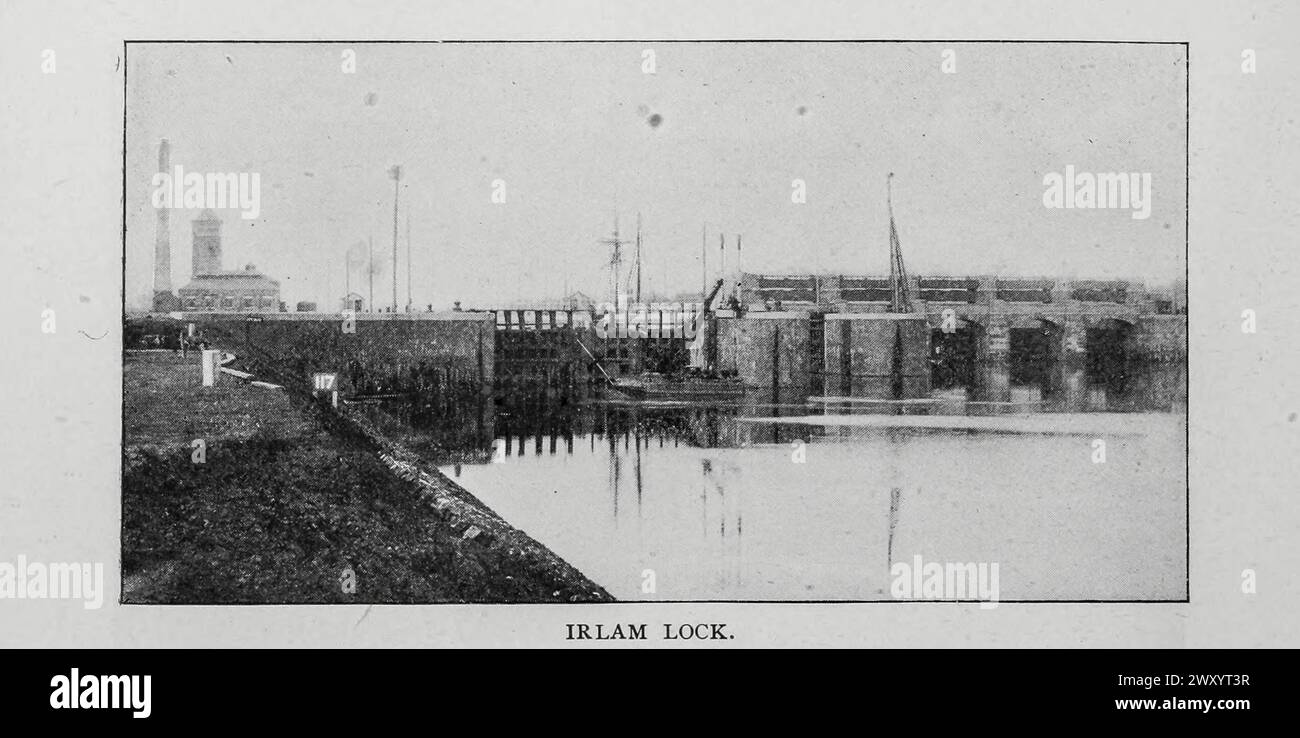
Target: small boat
column 651, row 386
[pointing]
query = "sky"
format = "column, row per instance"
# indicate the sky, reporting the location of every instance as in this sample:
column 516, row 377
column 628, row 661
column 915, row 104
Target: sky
column 711, row 141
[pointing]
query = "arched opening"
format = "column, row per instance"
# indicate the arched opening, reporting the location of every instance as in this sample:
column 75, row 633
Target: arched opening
column 1109, row 351
column 1034, row 352
column 954, row 357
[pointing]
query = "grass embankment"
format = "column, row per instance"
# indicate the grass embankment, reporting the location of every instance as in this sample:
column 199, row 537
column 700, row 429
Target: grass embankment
column 282, row 509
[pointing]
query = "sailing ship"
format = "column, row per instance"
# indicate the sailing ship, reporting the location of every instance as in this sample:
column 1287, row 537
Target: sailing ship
column 689, row 384
column 694, row 384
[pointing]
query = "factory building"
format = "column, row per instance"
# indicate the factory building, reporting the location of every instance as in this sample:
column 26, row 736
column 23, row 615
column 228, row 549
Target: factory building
column 215, row 290
column 211, row 289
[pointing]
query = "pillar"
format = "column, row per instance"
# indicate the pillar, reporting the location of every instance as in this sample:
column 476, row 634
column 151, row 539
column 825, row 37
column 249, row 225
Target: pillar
column 994, row 363
column 1071, row 370
column 210, row 367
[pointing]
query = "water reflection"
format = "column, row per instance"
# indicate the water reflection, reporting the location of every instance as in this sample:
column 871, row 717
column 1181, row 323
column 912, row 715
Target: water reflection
column 722, row 509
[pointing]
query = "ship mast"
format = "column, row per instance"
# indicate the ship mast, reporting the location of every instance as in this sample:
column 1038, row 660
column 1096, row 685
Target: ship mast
column 616, row 256
column 900, row 300
column 704, row 262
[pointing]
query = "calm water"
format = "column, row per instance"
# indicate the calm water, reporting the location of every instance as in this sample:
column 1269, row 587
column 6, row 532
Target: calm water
column 723, row 510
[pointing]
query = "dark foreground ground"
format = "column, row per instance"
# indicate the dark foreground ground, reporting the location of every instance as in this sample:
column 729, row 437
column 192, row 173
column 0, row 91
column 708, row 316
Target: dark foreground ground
column 287, row 508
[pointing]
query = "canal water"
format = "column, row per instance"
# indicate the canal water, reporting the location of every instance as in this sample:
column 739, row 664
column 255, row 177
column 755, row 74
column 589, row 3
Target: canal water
column 730, row 503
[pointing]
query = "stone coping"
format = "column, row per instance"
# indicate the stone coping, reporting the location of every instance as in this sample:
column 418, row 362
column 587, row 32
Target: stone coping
column 448, row 315
column 876, row 316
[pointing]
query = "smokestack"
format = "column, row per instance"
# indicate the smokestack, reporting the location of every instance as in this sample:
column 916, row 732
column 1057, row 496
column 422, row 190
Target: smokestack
column 162, row 252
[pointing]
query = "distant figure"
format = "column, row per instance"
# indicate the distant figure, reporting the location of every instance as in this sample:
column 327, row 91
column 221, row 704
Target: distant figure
column 185, row 346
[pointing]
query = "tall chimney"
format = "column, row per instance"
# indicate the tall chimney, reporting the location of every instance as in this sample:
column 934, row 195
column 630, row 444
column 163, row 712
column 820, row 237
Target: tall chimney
column 162, row 250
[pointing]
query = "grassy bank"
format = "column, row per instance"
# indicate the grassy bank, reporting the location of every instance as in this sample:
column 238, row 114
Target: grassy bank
column 284, row 510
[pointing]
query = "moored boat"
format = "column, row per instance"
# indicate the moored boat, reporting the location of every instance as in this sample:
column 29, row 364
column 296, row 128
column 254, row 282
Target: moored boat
column 651, row 386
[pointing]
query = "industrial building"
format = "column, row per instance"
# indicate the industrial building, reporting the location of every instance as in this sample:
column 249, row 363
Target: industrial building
column 211, row 289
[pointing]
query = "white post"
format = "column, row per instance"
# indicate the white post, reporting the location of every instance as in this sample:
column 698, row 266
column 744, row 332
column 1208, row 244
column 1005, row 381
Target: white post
column 209, row 367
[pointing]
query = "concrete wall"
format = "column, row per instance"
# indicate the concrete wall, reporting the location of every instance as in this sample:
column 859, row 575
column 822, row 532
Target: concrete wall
column 1159, row 347
column 766, row 347
column 831, row 296
column 860, row 349
column 1161, row 338
column 385, row 348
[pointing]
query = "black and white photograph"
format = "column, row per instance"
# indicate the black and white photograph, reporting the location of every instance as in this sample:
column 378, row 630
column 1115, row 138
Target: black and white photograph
column 343, row 334
column 583, row 322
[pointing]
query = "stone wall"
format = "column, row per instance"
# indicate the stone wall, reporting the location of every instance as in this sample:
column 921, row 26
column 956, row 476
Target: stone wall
column 859, row 355
column 1161, row 338
column 385, row 350
column 766, row 348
